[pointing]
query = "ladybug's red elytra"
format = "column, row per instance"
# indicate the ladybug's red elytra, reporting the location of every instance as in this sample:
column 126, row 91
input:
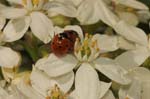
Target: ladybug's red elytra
column 63, row 43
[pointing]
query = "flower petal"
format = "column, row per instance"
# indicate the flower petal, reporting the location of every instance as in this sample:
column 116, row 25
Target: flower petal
column 141, row 73
column 125, row 44
column 75, row 28
column 3, row 93
column 133, row 58
column 55, row 66
column 72, row 95
column 43, row 85
column 47, row 83
column 70, row 27
column 41, row 26
column 15, row 1
column 2, row 22
column 106, row 43
column 90, row 15
column 61, row 8
column 8, row 73
column 106, row 15
column 104, row 88
column 111, row 69
column 13, row 13
column 146, row 90
column 128, row 15
column 25, row 88
column 109, row 95
column 134, row 4
column 77, row 2
column 15, row 29
column 86, row 83
column 131, row 33
column 144, row 16
column 9, row 58
column 64, row 82
column 132, row 92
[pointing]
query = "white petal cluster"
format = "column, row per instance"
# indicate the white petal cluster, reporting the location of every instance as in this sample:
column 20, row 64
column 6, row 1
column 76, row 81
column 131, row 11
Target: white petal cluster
column 33, row 14
column 115, row 53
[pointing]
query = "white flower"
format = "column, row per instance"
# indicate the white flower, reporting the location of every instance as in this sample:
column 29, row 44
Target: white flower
column 139, row 88
column 138, row 38
column 2, row 22
column 8, row 57
column 41, row 86
column 131, row 33
column 86, row 53
column 90, row 12
column 87, row 85
column 144, row 16
column 132, row 3
column 11, row 92
column 75, row 2
column 32, row 13
column 128, row 9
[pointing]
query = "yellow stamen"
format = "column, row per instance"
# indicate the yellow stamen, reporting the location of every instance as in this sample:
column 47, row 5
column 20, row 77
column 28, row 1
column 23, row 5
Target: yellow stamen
column 24, row 2
column 85, row 43
column 35, row 2
column 48, row 97
column 97, row 49
column 126, row 98
column 56, row 93
column 94, row 43
column 130, row 9
column 45, row 0
column 90, row 36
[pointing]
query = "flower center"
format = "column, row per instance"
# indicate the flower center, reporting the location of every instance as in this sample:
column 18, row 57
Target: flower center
column 56, row 93
column 87, row 48
column 127, row 98
column 34, row 2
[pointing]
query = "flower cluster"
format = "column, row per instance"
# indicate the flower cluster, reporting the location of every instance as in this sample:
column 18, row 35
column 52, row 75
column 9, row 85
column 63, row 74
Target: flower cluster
column 74, row 49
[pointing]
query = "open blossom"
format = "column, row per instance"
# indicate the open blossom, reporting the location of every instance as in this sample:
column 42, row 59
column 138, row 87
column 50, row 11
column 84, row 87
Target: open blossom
column 74, row 2
column 141, row 46
column 33, row 14
column 130, row 33
column 9, row 92
column 139, row 87
column 39, row 85
column 87, row 85
column 95, row 10
column 8, row 57
column 86, row 81
column 130, row 9
column 86, row 53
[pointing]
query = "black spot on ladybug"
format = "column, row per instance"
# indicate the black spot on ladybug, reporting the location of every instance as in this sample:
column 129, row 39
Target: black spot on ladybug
column 59, row 46
column 63, row 36
column 67, row 45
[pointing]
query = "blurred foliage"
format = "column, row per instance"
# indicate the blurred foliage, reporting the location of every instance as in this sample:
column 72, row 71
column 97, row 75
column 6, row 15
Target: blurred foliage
column 147, row 2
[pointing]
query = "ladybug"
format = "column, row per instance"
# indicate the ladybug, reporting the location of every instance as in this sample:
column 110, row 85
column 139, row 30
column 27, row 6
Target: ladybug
column 63, row 43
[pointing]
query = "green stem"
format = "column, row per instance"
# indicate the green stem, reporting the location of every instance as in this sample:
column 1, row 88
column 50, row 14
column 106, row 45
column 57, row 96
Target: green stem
column 31, row 51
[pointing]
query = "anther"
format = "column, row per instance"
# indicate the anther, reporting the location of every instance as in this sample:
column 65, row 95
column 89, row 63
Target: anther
column 24, row 2
column 35, row 2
